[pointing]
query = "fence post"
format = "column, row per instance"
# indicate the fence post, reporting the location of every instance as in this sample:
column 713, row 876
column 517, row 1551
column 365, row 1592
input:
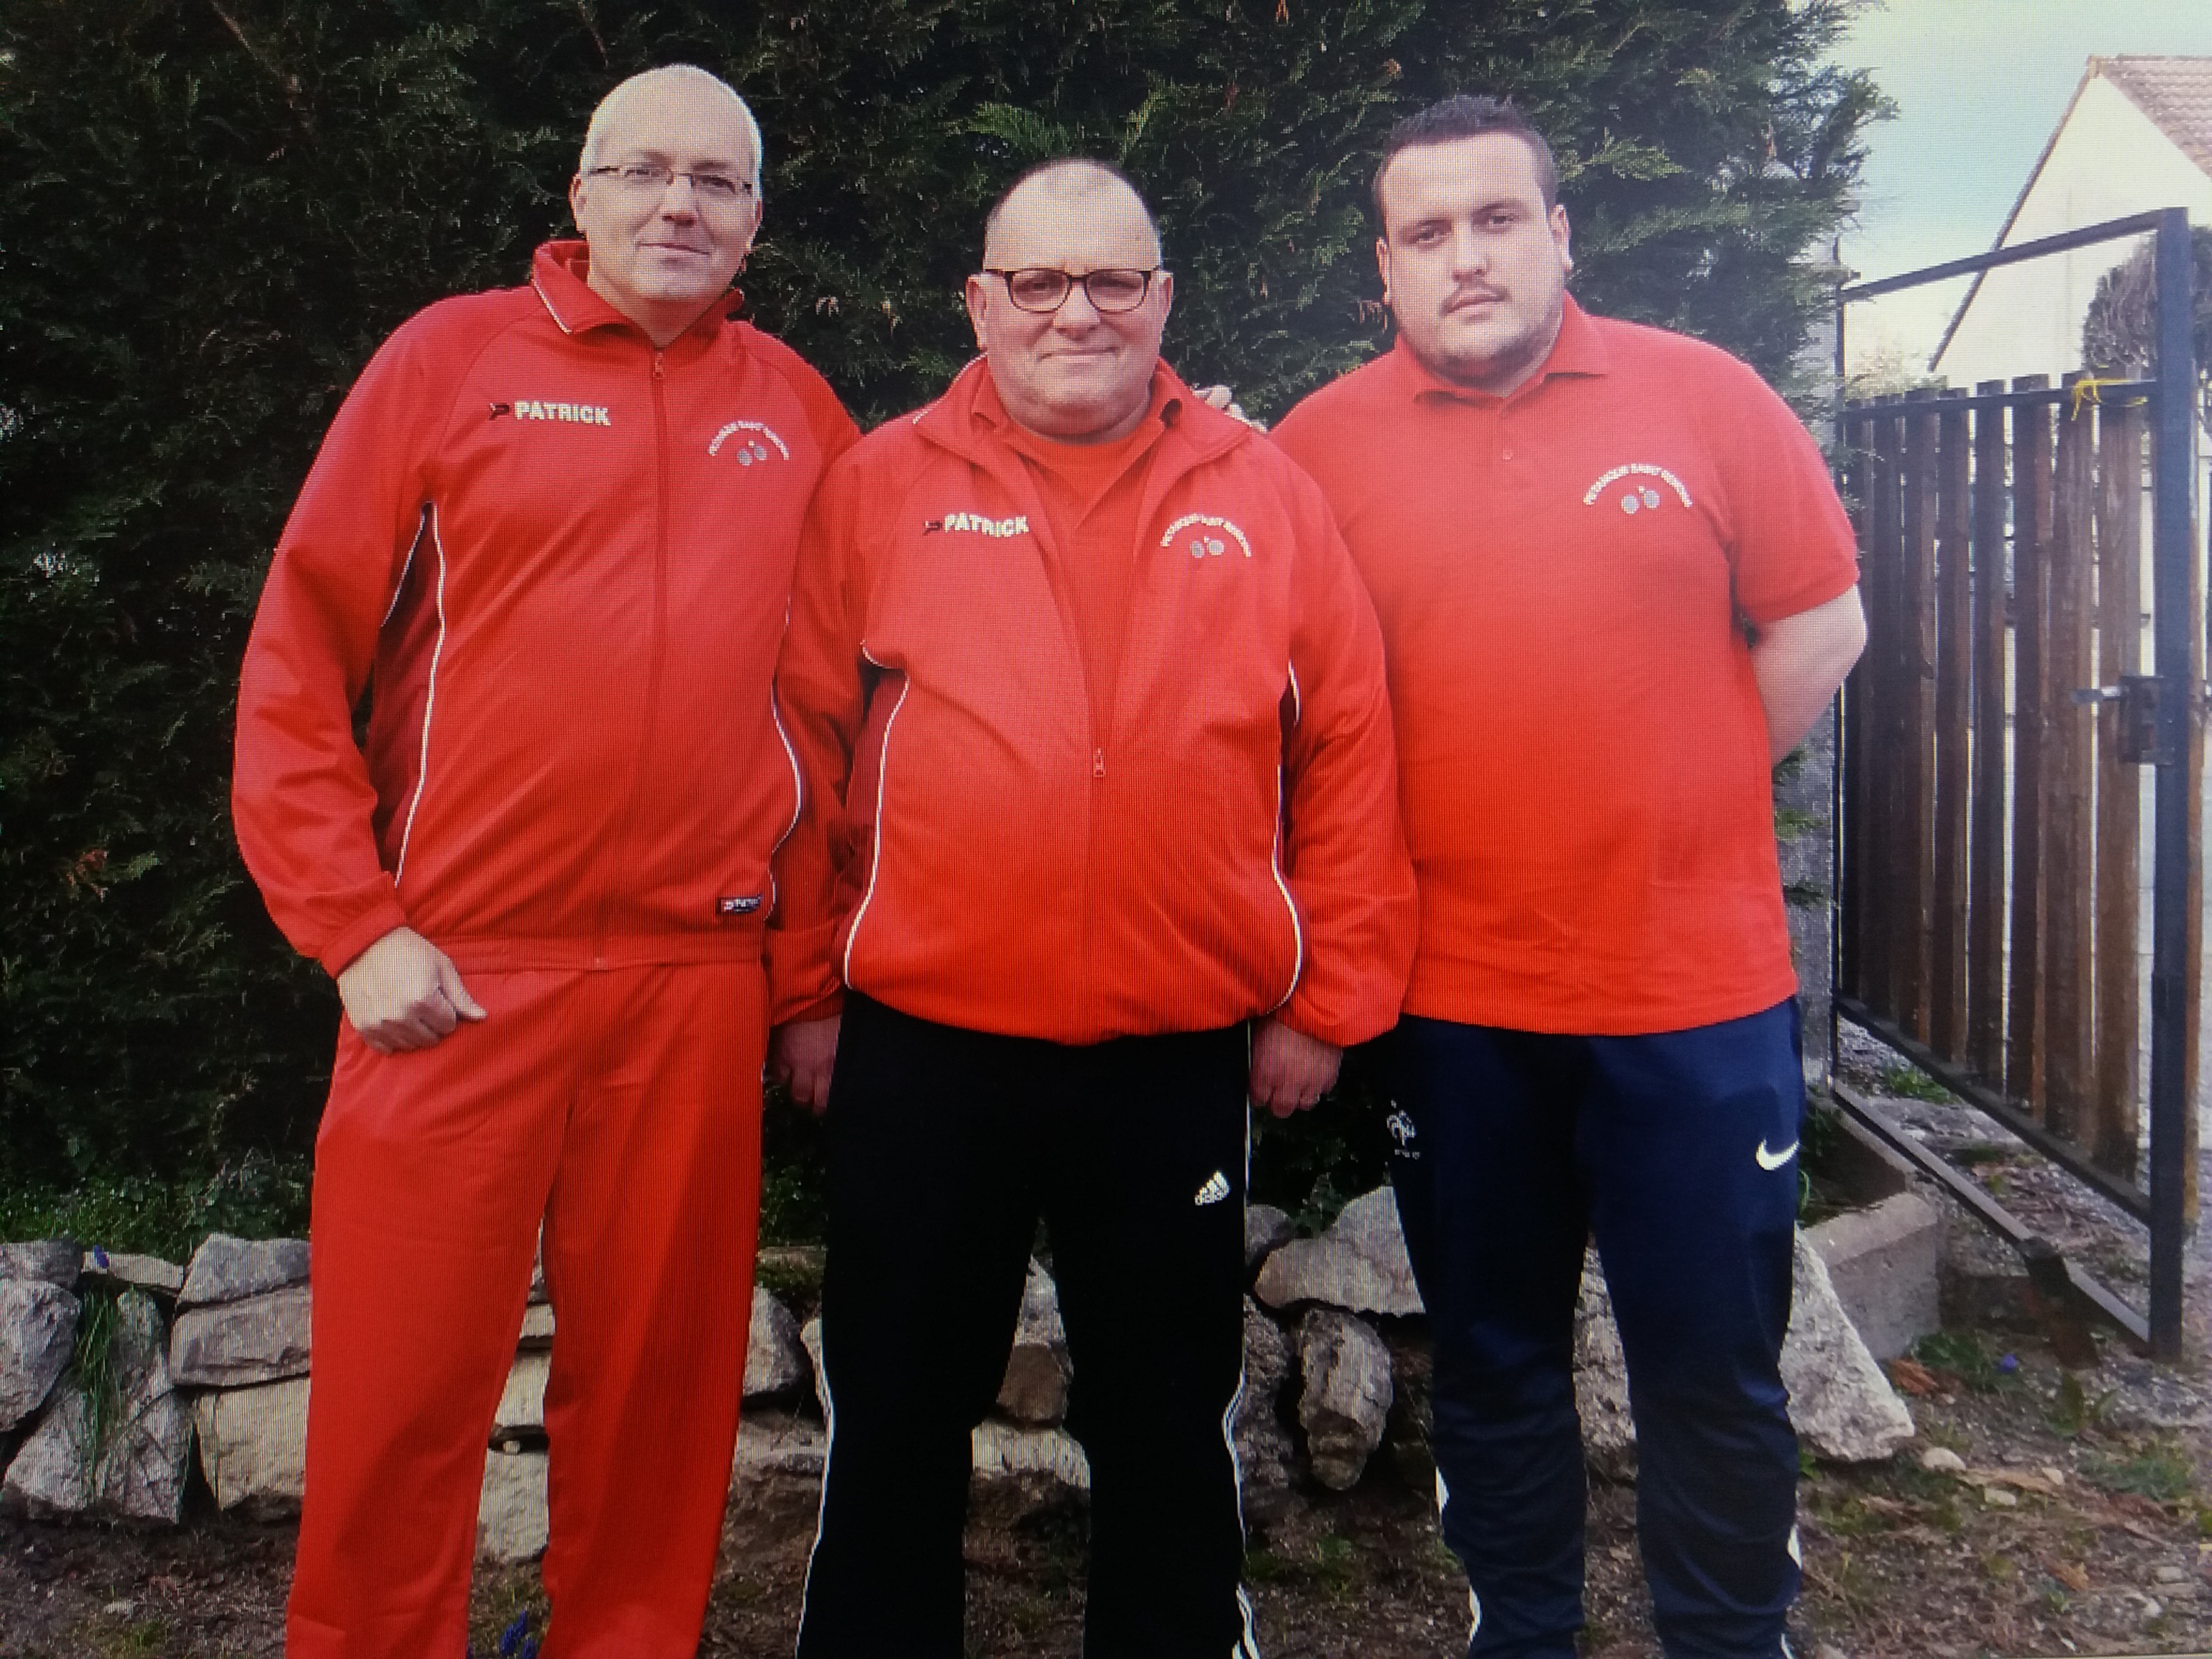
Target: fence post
column 2119, row 877
column 1985, row 904
column 1954, row 658
column 2069, row 779
column 2031, row 517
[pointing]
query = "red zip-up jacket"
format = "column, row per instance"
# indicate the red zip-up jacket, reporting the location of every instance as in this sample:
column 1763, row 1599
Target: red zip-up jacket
column 977, row 851
column 560, row 558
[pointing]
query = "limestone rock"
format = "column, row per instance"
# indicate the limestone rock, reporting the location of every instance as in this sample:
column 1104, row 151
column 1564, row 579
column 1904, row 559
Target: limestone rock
column 1347, row 1395
column 1267, row 1462
column 775, row 1364
column 1359, row 1264
column 119, row 1270
column 263, row 1339
column 253, row 1447
column 135, row 1472
column 1035, row 1388
column 511, row 1513
column 228, row 1269
column 38, row 1326
column 1001, row 1451
column 522, row 1402
column 536, row 1327
column 810, row 1338
column 1601, row 1380
column 775, row 1480
column 1842, row 1405
column 1267, row 1229
column 56, row 1260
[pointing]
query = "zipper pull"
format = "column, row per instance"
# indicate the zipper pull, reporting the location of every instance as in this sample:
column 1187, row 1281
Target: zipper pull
column 1098, row 762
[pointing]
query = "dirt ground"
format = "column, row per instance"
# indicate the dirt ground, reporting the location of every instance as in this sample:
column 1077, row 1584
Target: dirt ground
column 2078, row 1521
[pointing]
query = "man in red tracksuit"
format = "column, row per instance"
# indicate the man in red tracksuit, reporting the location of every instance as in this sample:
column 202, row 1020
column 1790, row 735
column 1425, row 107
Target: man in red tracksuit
column 552, row 531
column 1101, row 837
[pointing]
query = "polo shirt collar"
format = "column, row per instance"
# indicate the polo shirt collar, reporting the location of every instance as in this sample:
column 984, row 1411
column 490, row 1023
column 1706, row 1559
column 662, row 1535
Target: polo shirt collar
column 1579, row 350
column 561, row 272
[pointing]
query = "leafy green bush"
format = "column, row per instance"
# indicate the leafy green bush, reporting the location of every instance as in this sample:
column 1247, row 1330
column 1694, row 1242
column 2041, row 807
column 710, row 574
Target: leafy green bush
column 213, row 213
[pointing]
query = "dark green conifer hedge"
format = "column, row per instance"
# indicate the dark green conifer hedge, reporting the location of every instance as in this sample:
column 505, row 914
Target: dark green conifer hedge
column 213, row 209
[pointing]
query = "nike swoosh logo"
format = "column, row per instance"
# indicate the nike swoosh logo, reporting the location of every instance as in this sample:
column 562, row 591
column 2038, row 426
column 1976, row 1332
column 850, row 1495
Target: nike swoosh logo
column 1775, row 1160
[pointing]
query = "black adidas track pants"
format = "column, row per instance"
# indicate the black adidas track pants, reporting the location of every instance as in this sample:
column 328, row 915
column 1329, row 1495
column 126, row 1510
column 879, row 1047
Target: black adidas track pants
column 945, row 1148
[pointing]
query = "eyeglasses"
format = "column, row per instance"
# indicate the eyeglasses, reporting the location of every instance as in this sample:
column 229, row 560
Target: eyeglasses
column 718, row 188
column 1037, row 287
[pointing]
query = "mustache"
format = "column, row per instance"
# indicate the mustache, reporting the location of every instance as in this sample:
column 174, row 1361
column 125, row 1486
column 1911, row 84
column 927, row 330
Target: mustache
column 1469, row 292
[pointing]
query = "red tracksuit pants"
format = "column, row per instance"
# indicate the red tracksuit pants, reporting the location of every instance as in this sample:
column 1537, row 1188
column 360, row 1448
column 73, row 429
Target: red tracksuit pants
column 621, row 1106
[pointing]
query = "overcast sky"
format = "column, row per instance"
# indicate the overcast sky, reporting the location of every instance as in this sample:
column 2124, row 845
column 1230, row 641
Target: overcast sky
column 1979, row 86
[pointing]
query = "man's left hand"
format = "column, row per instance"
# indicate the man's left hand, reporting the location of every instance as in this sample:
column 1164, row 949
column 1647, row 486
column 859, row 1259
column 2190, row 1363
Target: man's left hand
column 1289, row 1070
column 1221, row 397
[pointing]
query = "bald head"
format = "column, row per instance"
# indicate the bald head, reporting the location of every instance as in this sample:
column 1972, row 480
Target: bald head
column 1054, row 203
column 687, row 81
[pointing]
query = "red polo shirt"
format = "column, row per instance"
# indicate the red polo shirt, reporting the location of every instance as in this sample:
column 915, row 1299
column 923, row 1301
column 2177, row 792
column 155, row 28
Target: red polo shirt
column 1563, row 577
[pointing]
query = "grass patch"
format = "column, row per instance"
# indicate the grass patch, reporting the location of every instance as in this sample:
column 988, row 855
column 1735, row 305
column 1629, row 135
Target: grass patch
column 1910, row 1082
column 2160, row 1471
column 1977, row 1363
column 258, row 1196
column 2074, row 1411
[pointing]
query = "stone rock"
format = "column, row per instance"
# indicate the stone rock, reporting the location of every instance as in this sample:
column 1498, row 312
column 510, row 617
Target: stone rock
column 135, row 1471
column 511, row 1513
column 119, row 1270
column 537, row 1293
column 263, row 1339
column 536, row 1327
column 1267, row 1229
column 1267, row 1461
column 1347, row 1395
column 228, row 1269
column 1842, row 1405
column 775, row 1364
column 810, row 1338
column 37, row 1326
column 1886, row 1263
column 56, row 1260
column 522, row 1402
column 253, row 1447
column 1359, row 1264
column 1941, row 1459
column 1601, row 1380
column 776, row 1481
column 1035, row 1388
column 1002, row 1450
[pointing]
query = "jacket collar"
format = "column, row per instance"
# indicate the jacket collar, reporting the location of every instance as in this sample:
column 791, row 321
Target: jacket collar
column 1579, row 350
column 561, row 272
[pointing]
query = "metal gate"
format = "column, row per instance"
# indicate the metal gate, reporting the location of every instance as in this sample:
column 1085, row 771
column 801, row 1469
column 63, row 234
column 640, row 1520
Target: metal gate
column 1993, row 734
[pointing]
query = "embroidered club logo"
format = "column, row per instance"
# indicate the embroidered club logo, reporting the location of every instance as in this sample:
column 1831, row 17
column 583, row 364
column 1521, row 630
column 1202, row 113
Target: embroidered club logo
column 975, row 523
column 539, row 409
column 737, row 904
column 1643, row 494
column 1203, row 545
column 757, row 435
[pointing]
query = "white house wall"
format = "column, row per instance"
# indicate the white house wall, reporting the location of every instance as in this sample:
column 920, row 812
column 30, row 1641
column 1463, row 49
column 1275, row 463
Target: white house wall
column 2110, row 161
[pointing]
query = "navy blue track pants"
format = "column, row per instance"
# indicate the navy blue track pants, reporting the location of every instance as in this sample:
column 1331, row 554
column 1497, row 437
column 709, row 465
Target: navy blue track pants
column 1676, row 1151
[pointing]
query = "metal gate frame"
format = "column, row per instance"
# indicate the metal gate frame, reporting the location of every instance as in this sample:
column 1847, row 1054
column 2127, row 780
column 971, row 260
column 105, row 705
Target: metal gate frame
column 2176, row 698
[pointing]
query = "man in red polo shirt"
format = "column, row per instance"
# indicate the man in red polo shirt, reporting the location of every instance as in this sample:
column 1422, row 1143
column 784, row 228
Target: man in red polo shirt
column 1100, row 837
column 1615, row 585
column 552, row 530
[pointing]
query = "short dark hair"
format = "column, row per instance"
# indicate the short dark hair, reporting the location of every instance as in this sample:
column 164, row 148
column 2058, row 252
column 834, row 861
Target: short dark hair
column 1466, row 116
column 1089, row 165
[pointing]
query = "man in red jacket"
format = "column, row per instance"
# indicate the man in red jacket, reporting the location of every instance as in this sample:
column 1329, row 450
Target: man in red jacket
column 1616, row 586
column 551, row 531
column 1101, row 837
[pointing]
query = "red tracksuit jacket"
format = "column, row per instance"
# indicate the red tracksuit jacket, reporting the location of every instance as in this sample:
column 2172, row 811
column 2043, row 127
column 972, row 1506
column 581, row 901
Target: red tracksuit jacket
column 976, row 852
column 560, row 559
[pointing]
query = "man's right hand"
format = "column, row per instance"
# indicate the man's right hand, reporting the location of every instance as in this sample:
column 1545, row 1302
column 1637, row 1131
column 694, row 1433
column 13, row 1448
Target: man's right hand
column 404, row 992
column 801, row 1055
